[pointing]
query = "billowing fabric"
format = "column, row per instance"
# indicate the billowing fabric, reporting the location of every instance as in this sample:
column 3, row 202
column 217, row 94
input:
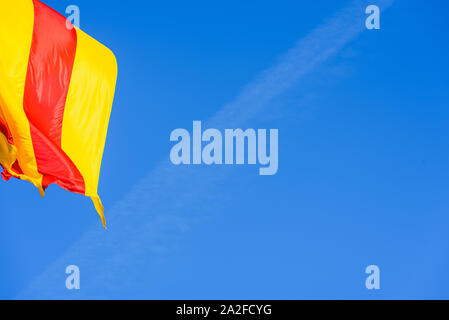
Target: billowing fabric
column 56, row 90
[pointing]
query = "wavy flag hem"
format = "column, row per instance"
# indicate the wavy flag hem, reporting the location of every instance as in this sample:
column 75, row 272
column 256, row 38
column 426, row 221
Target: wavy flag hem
column 57, row 86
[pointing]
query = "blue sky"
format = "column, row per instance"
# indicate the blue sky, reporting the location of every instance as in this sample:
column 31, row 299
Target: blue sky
column 363, row 159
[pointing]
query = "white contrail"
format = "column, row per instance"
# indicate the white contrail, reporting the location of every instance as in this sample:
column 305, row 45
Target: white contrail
column 161, row 207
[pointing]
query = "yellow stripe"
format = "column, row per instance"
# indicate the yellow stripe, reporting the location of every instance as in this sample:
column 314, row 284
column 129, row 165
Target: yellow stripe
column 16, row 31
column 87, row 109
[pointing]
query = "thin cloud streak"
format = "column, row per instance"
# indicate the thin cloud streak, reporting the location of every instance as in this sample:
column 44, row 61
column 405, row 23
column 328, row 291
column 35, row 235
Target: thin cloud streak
column 155, row 214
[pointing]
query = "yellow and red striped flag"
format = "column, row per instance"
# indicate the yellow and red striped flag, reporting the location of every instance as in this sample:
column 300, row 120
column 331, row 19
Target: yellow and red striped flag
column 56, row 90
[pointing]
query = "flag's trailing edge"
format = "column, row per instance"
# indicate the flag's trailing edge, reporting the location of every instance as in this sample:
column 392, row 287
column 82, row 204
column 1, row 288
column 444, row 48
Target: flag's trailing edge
column 56, row 90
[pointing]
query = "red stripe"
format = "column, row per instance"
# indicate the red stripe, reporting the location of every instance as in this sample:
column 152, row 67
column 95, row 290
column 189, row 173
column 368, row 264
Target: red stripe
column 50, row 67
column 15, row 167
column 5, row 131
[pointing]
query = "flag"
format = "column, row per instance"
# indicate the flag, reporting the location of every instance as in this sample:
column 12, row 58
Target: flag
column 56, row 90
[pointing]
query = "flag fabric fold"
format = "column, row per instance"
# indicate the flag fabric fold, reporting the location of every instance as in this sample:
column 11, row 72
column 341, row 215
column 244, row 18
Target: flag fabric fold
column 57, row 85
